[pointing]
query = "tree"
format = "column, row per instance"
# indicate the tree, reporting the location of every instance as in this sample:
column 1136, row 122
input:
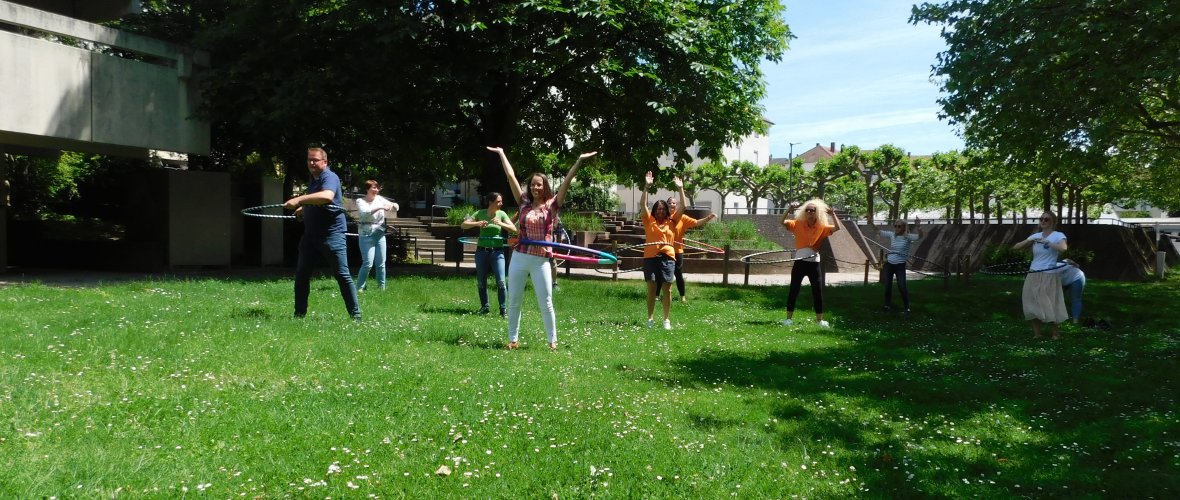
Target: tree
column 422, row 87
column 713, row 176
column 1044, row 78
column 758, row 181
column 791, row 185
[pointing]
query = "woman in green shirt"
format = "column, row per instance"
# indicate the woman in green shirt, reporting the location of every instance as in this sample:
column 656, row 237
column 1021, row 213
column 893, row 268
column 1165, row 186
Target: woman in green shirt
column 489, row 253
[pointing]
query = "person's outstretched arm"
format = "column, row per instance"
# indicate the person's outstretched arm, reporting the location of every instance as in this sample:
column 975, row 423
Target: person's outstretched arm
column 647, row 180
column 682, row 204
column 791, row 207
column 513, row 184
column 569, row 177
column 836, row 226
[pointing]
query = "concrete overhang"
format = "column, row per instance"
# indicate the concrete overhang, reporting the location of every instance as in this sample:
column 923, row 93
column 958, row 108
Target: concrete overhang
column 95, row 11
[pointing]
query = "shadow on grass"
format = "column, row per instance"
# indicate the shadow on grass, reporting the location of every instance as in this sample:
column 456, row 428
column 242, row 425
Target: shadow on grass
column 1089, row 415
column 453, row 310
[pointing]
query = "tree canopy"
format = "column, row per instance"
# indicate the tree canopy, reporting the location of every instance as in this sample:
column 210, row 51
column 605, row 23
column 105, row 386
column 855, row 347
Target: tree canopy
column 419, row 88
column 1059, row 79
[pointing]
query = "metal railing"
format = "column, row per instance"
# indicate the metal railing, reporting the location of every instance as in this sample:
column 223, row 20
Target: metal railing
column 430, row 222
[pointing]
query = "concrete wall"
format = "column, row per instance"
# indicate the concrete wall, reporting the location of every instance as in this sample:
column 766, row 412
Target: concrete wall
column 198, row 218
column 57, row 96
column 4, row 200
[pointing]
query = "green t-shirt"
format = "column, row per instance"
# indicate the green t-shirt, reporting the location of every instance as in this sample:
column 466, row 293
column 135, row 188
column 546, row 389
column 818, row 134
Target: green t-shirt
column 489, row 233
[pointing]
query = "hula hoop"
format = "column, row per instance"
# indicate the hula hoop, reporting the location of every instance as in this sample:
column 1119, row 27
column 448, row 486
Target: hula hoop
column 476, row 240
column 603, row 258
column 253, row 211
column 702, row 246
column 753, row 258
column 620, row 271
column 889, row 251
column 992, row 268
column 561, row 236
column 706, row 249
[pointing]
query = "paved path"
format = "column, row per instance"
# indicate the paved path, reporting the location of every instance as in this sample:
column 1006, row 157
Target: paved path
column 735, row 278
column 75, row 277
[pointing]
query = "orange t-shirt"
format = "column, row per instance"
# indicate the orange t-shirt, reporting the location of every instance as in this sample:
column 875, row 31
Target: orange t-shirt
column 682, row 227
column 809, row 236
column 655, row 233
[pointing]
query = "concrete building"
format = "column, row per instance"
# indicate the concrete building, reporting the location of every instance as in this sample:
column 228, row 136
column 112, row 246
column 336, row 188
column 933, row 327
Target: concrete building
column 71, row 85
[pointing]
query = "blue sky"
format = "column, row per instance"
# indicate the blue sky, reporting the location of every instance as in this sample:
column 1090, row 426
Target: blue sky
column 857, row 73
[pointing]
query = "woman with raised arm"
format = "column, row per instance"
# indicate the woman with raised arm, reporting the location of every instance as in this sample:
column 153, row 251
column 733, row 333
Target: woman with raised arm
column 900, row 240
column 1042, row 297
column 538, row 210
column 810, row 232
column 682, row 227
column 659, row 253
column 371, row 233
column 489, row 252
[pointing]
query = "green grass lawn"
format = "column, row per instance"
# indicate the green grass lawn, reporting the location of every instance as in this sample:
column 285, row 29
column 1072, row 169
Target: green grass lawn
column 207, row 387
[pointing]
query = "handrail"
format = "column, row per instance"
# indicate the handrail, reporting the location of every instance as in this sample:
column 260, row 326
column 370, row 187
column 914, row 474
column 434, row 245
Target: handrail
column 430, row 223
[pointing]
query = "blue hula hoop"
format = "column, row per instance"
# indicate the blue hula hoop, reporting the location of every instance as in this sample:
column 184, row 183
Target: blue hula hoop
column 476, row 240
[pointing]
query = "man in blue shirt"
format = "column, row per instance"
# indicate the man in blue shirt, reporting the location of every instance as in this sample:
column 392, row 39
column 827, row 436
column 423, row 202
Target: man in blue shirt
column 323, row 233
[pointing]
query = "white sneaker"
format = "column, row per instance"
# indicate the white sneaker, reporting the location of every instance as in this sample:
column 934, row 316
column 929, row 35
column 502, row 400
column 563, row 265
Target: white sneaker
column 667, row 325
column 788, row 322
column 651, row 323
column 824, row 324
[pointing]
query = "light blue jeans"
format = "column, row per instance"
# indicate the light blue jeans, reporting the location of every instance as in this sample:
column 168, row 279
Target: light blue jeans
column 372, row 248
column 489, row 259
column 524, row 265
column 1074, row 290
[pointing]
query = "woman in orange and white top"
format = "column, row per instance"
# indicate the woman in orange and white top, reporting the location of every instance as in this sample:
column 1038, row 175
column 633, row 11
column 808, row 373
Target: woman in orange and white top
column 810, row 232
column 659, row 254
column 538, row 214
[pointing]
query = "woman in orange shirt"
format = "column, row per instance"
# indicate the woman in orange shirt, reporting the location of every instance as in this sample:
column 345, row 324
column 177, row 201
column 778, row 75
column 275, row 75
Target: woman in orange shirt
column 810, row 232
column 659, row 255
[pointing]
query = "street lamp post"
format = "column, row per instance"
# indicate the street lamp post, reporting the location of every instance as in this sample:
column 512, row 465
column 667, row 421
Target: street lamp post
column 791, row 169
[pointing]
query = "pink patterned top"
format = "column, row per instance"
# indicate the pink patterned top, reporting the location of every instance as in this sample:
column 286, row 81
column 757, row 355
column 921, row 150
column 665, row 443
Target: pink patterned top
column 536, row 223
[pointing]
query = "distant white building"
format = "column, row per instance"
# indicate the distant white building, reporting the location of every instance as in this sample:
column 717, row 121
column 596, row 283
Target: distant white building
column 754, row 148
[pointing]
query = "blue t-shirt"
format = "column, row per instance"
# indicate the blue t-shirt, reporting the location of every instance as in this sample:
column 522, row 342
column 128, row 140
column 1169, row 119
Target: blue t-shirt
column 321, row 221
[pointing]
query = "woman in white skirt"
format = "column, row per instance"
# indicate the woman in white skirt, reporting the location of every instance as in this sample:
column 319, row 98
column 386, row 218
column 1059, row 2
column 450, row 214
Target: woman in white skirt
column 1043, row 299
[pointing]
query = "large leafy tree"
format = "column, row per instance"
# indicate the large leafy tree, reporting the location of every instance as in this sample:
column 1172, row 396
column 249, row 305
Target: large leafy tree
column 422, row 87
column 1045, row 78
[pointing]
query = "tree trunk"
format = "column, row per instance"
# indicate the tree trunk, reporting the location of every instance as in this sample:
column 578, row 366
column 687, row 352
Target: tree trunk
column 1046, row 198
column 987, row 213
column 1061, row 190
column 999, row 211
column 971, row 207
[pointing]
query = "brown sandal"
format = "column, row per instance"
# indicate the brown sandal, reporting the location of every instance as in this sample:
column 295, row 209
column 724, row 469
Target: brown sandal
column 512, row 346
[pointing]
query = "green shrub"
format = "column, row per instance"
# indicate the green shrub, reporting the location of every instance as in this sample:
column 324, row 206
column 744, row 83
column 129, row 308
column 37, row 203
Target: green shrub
column 739, row 235
column 458, row 213
column 573, row 221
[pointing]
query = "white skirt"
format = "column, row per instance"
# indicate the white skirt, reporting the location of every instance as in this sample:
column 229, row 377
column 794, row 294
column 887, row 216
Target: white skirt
column 1043, row 298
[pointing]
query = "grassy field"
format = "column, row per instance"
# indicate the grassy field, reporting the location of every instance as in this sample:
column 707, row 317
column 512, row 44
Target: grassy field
column 209, row 388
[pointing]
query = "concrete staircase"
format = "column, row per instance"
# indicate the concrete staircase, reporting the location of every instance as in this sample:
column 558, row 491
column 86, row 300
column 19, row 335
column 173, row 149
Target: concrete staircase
column 424, row 244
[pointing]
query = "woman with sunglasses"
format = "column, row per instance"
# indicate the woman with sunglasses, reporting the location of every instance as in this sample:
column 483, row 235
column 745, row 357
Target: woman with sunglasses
column 900, row 240
column 1042, row 296
column 489, row 252
column 810, row 232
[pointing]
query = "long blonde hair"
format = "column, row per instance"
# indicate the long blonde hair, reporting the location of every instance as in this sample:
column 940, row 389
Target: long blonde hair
column 821, row 211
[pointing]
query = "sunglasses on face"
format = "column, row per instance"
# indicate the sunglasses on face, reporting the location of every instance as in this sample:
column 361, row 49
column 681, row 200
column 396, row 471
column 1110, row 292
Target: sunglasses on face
column 899, row 227
column 810, row 210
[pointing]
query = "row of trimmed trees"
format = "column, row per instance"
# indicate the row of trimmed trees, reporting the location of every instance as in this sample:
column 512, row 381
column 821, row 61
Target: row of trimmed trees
column 888, row 182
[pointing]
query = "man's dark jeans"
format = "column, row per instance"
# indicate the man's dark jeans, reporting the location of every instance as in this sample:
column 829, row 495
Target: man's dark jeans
column 335, row 251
